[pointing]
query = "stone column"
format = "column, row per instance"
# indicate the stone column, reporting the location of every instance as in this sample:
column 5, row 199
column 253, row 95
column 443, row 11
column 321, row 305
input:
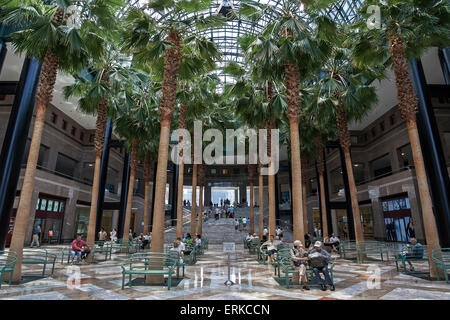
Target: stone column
column 115, row 219
column 377, row 212
column 334, row 222
column 207, row 200
column 243, row 192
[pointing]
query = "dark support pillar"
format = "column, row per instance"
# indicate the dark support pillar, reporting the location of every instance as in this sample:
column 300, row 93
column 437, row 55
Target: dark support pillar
column 103, row 175
column 174, row 194
column 290, row 192
column 277, row 201
column 155, row 168
column 15, row 141
column 444, row 58
column 327, row 193
column 433, row 155
column 351, row 227
column 3, row 52
column 124, row 193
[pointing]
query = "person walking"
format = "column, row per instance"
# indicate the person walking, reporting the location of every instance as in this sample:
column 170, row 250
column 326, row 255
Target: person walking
column 36, row 233
column 102, row 236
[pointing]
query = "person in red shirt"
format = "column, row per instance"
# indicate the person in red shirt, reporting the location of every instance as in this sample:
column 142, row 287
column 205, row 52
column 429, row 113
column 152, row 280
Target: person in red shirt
column 77, row 249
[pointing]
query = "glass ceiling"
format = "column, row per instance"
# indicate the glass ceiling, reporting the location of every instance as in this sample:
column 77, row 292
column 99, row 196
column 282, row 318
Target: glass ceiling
column 225, row 37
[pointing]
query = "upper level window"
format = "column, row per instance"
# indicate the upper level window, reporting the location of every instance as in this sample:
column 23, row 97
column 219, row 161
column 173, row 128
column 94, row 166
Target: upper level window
column 404, row 155
column 381, row 166
column 73, row 131
column 54, row 117
column 392, row 119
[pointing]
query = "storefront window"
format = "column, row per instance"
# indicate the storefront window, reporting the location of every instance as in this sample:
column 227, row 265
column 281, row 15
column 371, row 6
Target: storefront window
column 49, row 215
column 397, row 216
column 81, row 222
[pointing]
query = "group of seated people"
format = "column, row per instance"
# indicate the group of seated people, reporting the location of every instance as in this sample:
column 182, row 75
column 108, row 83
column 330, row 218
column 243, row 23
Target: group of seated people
column 315, row 257
column 332, row 242
column 180, row 245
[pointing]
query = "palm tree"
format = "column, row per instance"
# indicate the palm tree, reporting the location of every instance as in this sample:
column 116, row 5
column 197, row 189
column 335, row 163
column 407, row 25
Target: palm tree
column 157, row 40
column 48, row 37
column 96, row 95
column 135, row 118
column 201, row 183
column 295, row 47
column 345, row 93
column 407, row 29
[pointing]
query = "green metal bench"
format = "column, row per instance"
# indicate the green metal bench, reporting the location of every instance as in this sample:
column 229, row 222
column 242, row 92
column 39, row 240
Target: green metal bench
column 172, row 257
column 402, row 258
column 282, row 254
column 148, row 264
column 190, row 258
column 441, row 260
column 253, row 246
column 372, row 247
column 39, row 256
column 262, row 256
column 102, row 247
column 287, row 268
column 348, row 248
column 128, row 247
column 8, row 261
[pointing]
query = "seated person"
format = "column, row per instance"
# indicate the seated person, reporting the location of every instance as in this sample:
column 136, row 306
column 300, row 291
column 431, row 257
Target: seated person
column 248, row 239
column 335, row 241
column 178, row 248
column 414, row 250
column 319, row 259
column 271, row 249
column 145, row 241
column 198, row 241
column 80, row 249
column 188, row 238
column 299, row 260
column 327, row 243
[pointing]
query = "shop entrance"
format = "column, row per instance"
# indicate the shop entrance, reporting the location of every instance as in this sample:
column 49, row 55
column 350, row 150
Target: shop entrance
column 49, row 215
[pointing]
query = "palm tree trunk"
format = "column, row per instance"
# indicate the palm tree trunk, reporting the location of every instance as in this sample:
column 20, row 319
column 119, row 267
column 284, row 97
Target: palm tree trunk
column 99, row 142
column 43, row 97
column 169, row 92
column 194, row 199
column 344, row 139
column 200, row 209
column 180, row 200
column 261, row 203
column 271, row 183
column 252, row 210
column 297, row 198
column 292, row 81
column 320, row 169
column 157, row 244
column 182, row 125
column 133, row 164
column 305, row 209
column 147, row 169
column 429, row 221
column 407, row 101
column 359, row 233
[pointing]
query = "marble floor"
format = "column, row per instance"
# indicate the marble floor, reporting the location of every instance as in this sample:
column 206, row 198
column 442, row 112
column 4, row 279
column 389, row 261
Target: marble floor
column 205, row 280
